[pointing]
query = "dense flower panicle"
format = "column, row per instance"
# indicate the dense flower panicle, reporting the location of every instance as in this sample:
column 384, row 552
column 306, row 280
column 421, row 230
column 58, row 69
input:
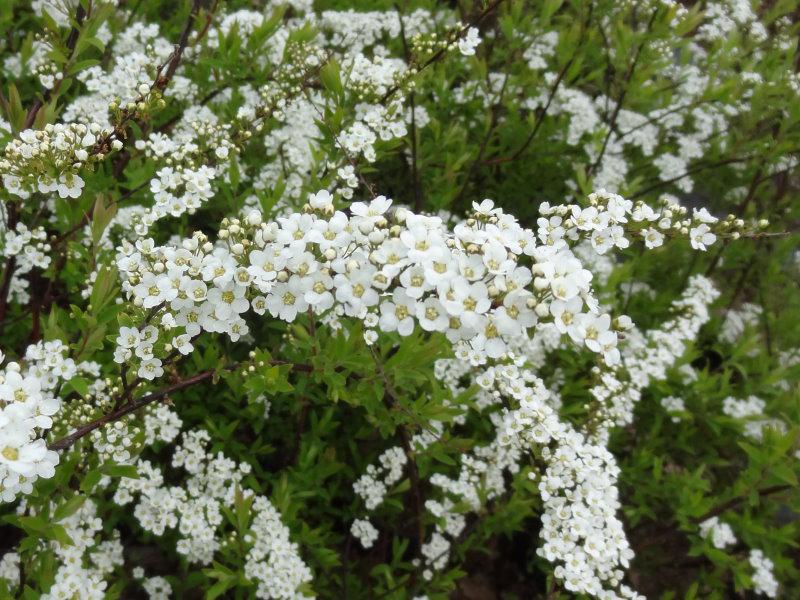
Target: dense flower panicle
column 648, row 357
column 49, row 160
column 84, row 565
column 27, row 407
column 195, row 511
column 720, row 533
column 470, row 284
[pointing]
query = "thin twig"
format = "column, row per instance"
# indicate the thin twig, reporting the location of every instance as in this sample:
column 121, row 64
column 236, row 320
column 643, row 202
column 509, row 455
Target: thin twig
column 72, row 40
column 117, row 414
column 391, row 402
column 625, row 86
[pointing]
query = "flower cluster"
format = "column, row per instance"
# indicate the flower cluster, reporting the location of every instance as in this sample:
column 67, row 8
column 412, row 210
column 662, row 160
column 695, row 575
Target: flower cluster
column 29, row 247
column 751, row 412
column 674, row 406
column 720, row 533
column 364, row 532
column 27, row 405
column 196, row 512
column 176, row 192
column 763, row 579
column 737, row 321
column 49, row 160
column 610, row 218
column 648, row 357
column 401, row 267
column 373, row 485
column 83, row 565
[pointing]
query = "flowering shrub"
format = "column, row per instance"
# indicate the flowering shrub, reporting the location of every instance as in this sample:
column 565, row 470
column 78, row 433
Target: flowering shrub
column 264, row 335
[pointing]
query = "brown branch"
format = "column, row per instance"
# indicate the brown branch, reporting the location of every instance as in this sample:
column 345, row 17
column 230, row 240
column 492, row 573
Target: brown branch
column 441, row 53
column 392, row 403
column 734, row 502
column 134, row 405
column 69, row 440
column 175, row 58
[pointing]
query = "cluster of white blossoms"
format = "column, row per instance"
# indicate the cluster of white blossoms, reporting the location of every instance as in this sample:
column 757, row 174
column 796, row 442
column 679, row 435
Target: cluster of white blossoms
column 195, row 511
column 28, row 246
column 751, row 412
column 611, row 221
column 176, row 192
column 720, row 533
column 126, row 80
column 49, row 160
column 83, row 565
column 364, row 532
column 580, row 528
column 27, row 406
column 400, row 267
column 157, row 588
column 763, row 578
column 373, row 485
column 673, row 405
column 140, row 343
column 648, row 357
column 540, row 49
column 581, row 532
column 738, row 320
column 468, row 42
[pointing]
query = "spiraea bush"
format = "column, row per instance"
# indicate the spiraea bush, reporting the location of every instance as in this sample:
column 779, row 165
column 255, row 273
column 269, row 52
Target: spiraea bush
column 363, row 299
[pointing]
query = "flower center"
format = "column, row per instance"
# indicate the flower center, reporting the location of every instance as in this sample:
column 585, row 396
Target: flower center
column 10, row 453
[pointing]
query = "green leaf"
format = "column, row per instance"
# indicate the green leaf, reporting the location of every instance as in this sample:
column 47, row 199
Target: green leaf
column 69, row 508
column 79, row 384
column 82, row 65
column 330, row 76
column 92, row 478
column 114, row 470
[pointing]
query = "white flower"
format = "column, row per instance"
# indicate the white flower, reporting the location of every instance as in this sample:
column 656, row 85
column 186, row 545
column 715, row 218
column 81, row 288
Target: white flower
column 322, row 200
column 287, row 299
column 432, row 315
column 469, row 42
column 652, row 237
column 150, row 369
column 398, row 315
column 701, row 237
